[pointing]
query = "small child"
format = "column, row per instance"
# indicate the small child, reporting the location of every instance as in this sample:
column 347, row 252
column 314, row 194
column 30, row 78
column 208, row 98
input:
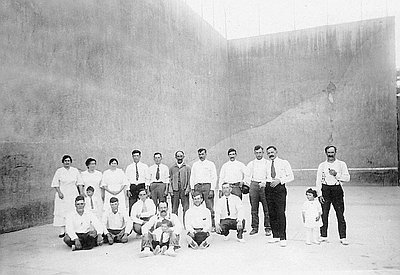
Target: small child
column 91, row 203
column 162, row 234
column 311, row 213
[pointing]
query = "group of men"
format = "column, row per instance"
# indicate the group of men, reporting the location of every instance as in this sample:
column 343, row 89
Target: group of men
column 264, row 180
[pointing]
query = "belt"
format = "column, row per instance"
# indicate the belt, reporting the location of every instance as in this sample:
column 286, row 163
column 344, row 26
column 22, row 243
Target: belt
column 331, row 184
column 137, row 183
column 202, row 183
column 235, row 184
column 157, row 182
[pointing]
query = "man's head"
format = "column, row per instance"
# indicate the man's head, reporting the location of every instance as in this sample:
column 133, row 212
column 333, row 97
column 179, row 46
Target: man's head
column 202, row 154
column 232, row 154
column 197, row 198
column 179, row 155
column 90, row 163
column 136, row 154
column 163, row 208
column 330, row 152
column 114, row 204
column 142, row 194
column 80, row 204
column 272, row 152
column 90, row 191
column 259, row 152
column 226, row 189
column 157, row 158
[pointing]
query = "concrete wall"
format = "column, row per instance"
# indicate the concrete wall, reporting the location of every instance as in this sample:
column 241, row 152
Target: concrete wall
column 305, row 89
column 100, row 78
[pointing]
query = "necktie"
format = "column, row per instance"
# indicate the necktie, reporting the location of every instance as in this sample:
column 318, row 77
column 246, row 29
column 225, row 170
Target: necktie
column 179, row 178
column 227, row 207
column 91, row 202
column 144, row 208
column 273, row 172
column 158, row 172
column 137, row 173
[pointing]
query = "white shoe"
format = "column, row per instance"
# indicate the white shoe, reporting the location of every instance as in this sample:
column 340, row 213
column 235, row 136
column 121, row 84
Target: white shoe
column 241, row 240
column 171, row 252
column 283, row 243
column 317, row 242
column 308, row 243
column 273, row 240
column 157, row 250
column 344, row 241
column 146, row 253
column 323, row 239
column 226, row 238
column 193, row 244
column 73, row 247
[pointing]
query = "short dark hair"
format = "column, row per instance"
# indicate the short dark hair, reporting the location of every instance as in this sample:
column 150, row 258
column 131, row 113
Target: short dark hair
column 258, row 147
column 90, row 188
column 197, row 193
column 179, row 151
column 66, row 157
column 112, row 160
column 225, row 184
column 136, row 152
column 167, row 222
column 80, row 198
column 89, row 160
column 330, row 146
column 166, row 202
column 230, row 150
column 273, row 147
column 201, row 150
column 141, row 190
column 113, row 199
column 311, row 191
column 157, row 153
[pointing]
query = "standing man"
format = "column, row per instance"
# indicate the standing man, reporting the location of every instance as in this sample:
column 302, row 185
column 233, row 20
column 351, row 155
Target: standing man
column 279, row 173
column 330, row 175
column 179, row 188
column 258, row 178
column 136, row 172
column 159, row 180
column 233, row 172
column 204, row 179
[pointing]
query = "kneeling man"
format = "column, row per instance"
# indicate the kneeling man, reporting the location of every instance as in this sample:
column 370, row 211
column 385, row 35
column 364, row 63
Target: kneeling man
column 198, row 223
column 117, row 224
column 229, row 214
column 151, row 239
column 83, row 229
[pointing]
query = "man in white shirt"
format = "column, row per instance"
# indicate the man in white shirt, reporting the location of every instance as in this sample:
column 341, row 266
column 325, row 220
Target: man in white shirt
column 117, row 224
column 330, row 175
column 229, row 214
column 83, row 229
column 136, row 172
column 159, row 180
column 142, row 211
column 203, row 179
column 198, row 223
column 279, row 173
column 233, row 172
column 150, row 245
column 257, row 169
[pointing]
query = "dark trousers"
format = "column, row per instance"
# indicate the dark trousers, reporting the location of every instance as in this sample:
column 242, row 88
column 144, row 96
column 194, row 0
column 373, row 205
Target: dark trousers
column 138, row 227
column 200, row 236
column 148, row 240
column 205, row 188
column 184, row 199
column 87, row 241
column 257, row 195
column 333, row 194
column 276, row 202
column 231, row 224
column 134, row 189
column 157, row 191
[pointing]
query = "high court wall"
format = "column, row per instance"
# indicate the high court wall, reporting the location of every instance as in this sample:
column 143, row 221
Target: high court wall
column 99, row 78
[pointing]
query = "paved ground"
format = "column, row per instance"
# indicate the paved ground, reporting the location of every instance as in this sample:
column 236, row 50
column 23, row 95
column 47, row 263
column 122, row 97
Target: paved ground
column 373, row 218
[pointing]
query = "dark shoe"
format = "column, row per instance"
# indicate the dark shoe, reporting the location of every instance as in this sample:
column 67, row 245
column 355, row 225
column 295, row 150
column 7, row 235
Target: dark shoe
column 253, row 231
column 268, row 232
column 61, row 235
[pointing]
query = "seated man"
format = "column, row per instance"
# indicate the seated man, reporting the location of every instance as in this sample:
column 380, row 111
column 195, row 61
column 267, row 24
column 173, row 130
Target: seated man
column 153, row 224
column 83, row 229
column 229, row 214
column 117, row 224
column 198, row 223
column 142, row 211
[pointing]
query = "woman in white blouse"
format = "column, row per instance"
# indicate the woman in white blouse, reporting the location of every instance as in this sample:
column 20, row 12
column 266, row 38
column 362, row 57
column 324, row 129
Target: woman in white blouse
column 92, row 177
column 66, row 181
column 114, row 182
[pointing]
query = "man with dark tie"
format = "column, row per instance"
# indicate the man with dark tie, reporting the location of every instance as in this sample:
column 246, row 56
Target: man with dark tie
column 279, row 172
column 136, row 173
column 159, row 179
column 229, row 214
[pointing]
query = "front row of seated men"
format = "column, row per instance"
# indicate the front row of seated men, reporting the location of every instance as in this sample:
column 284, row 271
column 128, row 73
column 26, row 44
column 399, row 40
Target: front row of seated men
column 160, row 232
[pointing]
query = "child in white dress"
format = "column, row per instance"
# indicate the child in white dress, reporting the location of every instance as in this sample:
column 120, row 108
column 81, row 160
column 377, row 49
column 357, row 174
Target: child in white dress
column 311, row 213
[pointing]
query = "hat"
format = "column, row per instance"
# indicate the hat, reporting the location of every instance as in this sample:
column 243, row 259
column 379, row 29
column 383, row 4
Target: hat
column 245, row 189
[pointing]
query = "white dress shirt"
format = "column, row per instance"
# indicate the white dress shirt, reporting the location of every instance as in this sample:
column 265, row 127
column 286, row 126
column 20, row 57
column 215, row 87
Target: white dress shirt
column 117, row 221
column 233, row 172
column 324, row 177
column 142, row 170
column 198, row 217
column 164, row 173
column 76, row 223
column 137, row 210
column 203, row 172
column 235, row 208
column 283, row 170
column 156, row 220
column 258, row 170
